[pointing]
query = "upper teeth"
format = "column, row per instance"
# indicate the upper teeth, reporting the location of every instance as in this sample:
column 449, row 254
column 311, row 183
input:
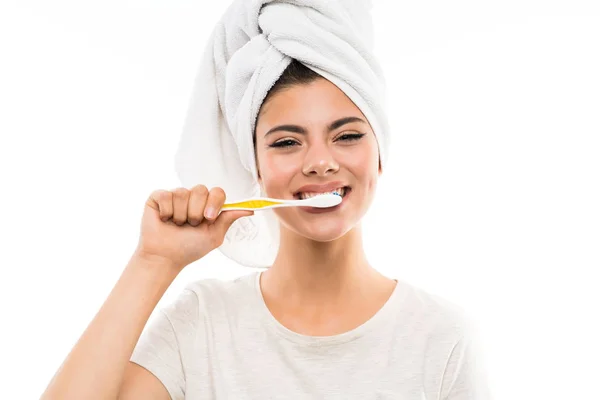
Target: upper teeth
column 306, row 195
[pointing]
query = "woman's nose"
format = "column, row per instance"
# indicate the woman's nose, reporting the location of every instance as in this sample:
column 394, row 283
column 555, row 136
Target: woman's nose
column 319, row 161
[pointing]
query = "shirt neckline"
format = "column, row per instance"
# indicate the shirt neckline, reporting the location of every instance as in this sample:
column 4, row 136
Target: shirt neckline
column 383, row 315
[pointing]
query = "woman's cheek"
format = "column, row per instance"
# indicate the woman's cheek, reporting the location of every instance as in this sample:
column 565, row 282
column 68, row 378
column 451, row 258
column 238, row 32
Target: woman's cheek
column 284, row 166
column 276, row 176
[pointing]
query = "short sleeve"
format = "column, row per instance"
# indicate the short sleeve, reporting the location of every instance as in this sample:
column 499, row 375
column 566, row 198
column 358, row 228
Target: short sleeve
column 160, row 346
column 465, row 374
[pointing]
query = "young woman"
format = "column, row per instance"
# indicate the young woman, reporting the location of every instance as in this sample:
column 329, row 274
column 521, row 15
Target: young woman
column 319, row 323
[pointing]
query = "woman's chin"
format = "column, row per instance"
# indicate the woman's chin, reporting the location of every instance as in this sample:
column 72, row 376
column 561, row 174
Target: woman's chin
column 324, row 232
column 317, row 227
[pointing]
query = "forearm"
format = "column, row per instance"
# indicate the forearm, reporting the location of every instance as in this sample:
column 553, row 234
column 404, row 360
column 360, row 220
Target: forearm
column 95, row 366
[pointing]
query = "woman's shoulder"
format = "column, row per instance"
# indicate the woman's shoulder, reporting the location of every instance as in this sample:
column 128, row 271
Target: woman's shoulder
column 210, row 296
column 223, row 289
column 434, row 312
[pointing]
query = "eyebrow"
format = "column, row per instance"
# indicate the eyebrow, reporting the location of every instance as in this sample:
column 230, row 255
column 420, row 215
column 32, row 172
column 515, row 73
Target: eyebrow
column 332, row 126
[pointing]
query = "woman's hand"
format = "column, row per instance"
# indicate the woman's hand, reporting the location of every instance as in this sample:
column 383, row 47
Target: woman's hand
column 182, row 226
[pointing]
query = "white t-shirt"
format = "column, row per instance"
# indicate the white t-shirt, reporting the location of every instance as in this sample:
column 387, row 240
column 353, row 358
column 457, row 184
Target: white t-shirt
column 218, row 340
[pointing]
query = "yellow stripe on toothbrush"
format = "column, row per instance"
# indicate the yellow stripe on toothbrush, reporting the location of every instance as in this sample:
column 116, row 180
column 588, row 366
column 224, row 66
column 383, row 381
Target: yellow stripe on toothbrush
column 252, row 204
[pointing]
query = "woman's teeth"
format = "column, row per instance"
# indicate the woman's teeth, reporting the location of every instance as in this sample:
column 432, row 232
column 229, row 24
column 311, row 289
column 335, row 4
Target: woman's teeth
column 339, row 191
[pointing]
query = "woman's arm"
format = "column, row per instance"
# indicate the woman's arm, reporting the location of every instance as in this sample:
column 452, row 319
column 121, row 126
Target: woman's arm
column 96, row 366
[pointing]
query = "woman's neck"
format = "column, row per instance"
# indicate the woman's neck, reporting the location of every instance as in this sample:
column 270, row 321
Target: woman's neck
column 314, row 274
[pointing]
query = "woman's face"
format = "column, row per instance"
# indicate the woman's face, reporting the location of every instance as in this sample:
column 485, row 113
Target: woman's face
column 312, row 139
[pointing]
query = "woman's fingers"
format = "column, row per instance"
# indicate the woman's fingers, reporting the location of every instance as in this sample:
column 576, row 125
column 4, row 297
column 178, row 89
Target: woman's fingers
column 196, row 204
column 191, row 206
column 180, row 205
column 162, row 201
column 216, row 199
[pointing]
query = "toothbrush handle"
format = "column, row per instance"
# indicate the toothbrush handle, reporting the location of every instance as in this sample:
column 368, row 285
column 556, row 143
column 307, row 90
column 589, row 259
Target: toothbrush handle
column 270, row 203
column 238, row 209
column 257, row 208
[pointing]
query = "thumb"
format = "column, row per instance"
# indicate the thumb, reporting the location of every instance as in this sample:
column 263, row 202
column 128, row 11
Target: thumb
column 227, row 218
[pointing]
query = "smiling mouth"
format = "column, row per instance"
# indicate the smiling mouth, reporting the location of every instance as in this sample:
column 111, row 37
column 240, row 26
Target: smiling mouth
column 343, row 191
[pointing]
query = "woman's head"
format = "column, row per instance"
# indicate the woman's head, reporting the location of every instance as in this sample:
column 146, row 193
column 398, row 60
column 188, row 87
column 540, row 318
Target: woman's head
column 308, row 132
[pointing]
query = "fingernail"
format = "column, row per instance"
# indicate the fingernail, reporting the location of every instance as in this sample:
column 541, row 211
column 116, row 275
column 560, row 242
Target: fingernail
column 209, row 212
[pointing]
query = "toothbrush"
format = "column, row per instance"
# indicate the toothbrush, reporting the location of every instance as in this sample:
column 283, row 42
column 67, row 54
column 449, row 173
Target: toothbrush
column 264, row 203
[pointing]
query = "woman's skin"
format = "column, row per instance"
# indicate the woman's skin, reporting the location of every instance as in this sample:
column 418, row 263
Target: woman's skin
column 320, row 283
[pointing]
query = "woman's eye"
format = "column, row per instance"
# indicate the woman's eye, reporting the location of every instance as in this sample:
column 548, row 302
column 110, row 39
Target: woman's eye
column 284, row 143
column 348, row 137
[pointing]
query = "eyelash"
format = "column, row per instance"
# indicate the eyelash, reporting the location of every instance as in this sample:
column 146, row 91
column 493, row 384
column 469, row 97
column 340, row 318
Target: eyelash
column 350, row 137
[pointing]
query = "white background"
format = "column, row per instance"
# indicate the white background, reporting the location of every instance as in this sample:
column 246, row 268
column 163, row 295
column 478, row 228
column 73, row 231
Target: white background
column 491, row 198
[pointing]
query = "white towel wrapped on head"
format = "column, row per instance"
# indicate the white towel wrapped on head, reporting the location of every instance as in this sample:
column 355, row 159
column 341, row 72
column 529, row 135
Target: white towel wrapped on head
column 250, row 47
